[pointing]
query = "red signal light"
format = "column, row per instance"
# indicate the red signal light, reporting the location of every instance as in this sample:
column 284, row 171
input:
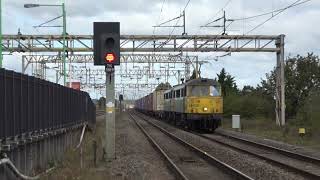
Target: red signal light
column 110, row 57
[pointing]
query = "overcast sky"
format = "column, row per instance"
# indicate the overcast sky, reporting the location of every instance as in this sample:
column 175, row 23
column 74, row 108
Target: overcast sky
column 300, row 25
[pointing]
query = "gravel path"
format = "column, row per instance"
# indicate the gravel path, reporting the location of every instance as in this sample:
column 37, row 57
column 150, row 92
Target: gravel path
column 247, row 164
column 136, row 158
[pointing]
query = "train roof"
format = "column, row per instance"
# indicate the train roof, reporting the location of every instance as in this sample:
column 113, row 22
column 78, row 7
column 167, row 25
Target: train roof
column 201, row 81
column 163, row 86
column 178, row 86
column 195, row 82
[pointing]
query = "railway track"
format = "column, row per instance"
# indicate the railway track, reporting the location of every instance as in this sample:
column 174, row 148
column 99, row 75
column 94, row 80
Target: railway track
column 186, row 160
column 306, row 166
column 303, row 165
column 279, row 150
column 100, row 113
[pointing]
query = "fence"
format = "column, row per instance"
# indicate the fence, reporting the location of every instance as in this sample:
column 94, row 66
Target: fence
column 32, row 105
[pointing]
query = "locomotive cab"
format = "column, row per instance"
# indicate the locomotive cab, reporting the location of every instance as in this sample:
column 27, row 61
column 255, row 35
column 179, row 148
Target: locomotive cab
column 203, row 104
column 204, row 98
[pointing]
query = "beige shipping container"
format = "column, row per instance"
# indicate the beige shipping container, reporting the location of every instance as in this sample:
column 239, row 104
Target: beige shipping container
column 158, row 100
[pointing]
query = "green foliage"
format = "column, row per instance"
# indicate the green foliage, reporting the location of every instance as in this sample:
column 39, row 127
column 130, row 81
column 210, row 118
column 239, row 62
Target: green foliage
column 193, row 76
column 249, row 102
column 302, row 79
column 251, row 105
column 102, row 102
column 227, row 82
column 309, row 114
column 247, row 90
column 302, row 74
column 163, row 86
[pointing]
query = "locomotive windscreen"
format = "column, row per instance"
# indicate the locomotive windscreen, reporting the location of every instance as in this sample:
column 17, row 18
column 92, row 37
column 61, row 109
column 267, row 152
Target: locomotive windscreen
column 203, row 91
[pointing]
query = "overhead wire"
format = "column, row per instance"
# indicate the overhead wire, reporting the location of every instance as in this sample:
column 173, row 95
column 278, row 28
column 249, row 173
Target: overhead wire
column 178, row 17
column 271, row 12
column 221, row 10
column 186, row 5
column 154, row 29
column 178, row 20
column 278, row 12
column 215, row 15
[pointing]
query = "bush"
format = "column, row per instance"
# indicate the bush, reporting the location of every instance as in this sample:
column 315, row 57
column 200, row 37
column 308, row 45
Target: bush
column 251, row 105
column 309, row 113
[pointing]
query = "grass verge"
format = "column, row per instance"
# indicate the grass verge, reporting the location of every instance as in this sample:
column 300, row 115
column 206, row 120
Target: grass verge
column 266, row 128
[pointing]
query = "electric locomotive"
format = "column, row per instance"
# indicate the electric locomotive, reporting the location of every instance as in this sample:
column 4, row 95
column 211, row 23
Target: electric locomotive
column 196, row 104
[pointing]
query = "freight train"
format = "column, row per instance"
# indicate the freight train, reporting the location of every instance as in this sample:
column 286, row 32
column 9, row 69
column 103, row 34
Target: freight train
column 196, row 104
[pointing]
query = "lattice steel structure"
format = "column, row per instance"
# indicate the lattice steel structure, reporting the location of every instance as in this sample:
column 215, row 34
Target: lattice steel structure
column 122, row 85
column 144, row 43
column 164, row 43
column 129, row 68
column 41, row 60
column 125, row 58
column 130, row 72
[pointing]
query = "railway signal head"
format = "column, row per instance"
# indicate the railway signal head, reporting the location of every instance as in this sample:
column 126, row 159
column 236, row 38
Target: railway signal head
column 120, row 97
column 106, row 43
column 110, row 57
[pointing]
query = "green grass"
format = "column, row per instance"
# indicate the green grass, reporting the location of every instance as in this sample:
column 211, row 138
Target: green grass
column 266, row 128
column 70, row 168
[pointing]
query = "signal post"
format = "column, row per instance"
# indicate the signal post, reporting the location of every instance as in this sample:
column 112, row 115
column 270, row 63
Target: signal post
column 106, row 41
column 110, row 113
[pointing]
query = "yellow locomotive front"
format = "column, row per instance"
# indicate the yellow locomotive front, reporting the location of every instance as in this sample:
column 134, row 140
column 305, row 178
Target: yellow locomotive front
column 203, row 104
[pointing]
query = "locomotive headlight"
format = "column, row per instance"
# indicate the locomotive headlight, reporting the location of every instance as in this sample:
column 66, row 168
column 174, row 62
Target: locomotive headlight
column 205, row 109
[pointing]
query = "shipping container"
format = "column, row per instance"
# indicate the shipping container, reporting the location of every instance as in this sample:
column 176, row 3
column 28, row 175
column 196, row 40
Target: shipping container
column 74, row 85
column 158, row 100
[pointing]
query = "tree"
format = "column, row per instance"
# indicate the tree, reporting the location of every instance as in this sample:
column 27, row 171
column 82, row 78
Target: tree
column 102, row 102
column 227, row 82
column 193, row 76
column 309, row 113
column 247, row 90
column 163, row 86
column 302, row 74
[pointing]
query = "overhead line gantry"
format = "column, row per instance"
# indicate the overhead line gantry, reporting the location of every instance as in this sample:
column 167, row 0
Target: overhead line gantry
column 164, row 43
column 145, row 43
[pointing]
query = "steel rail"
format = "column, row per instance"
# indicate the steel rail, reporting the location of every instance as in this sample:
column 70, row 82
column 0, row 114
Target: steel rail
column 178, row 173
column 100, row 113
column 284, row 165
column 227, row 168
column 279, row 150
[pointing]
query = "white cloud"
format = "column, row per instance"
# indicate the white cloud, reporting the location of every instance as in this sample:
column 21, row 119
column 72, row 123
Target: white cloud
column 299, row 24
